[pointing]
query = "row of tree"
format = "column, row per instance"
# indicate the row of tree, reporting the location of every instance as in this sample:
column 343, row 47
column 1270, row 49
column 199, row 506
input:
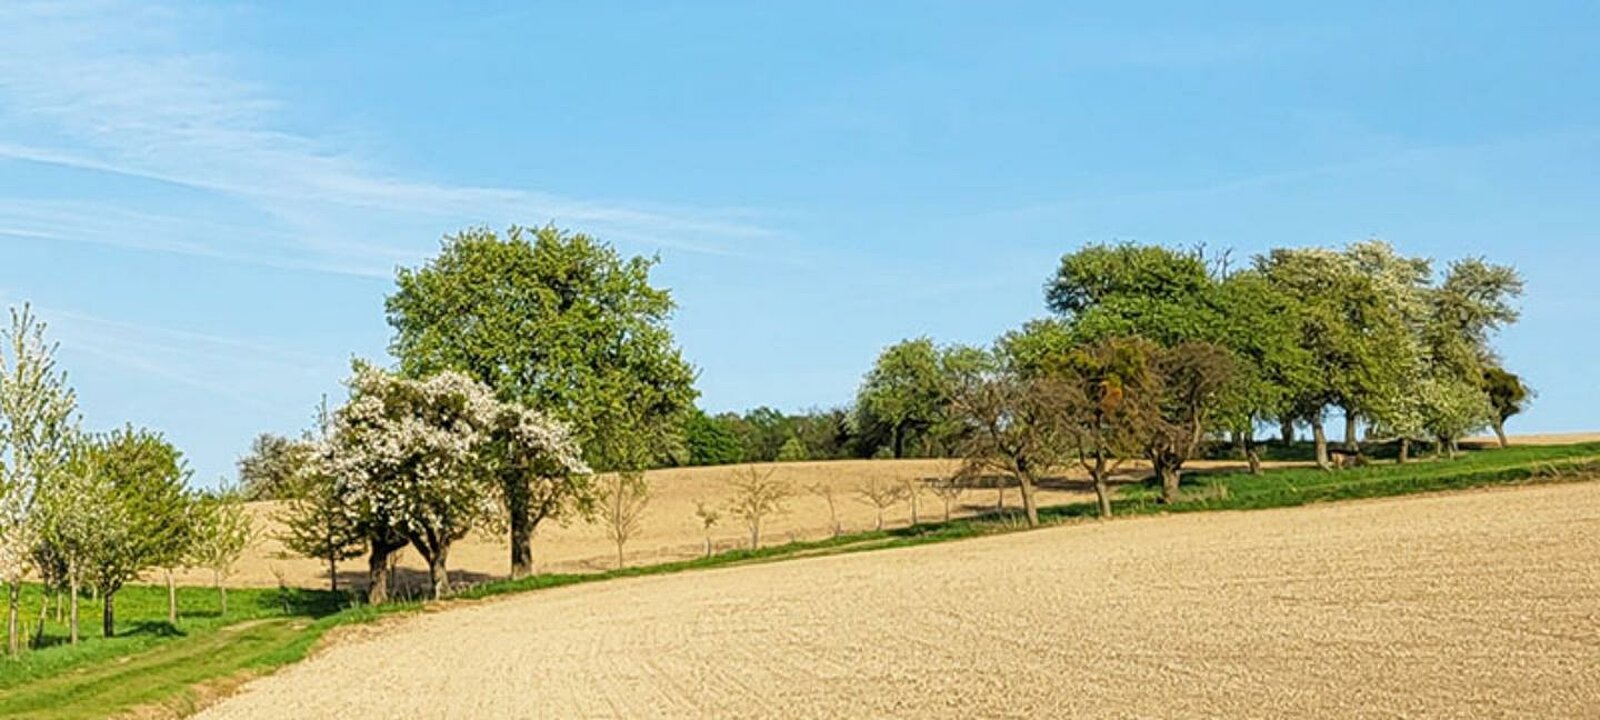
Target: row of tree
column 527, row 361
column 94, row 511
column 1155, row 353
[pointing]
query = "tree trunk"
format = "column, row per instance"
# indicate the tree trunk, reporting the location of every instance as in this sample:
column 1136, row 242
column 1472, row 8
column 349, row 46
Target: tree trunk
column 915, row 519
column 755, row 534
column 1030, row 507
column 439, row 576
column 521, row 535
column 1169, row 482
column 72, row 611
column 708, row 546
column 378, row 573
column 333, row 572
column 947, row 509
column 620, row 562
column 1320, row 436
column 1286, row 431
column 1405, row 450
column 1500, row 433
column 1000, row 497
column 222, row 592
column 1352, row 441
column 899, row 442
column 172, row 598
column 879, row 526
column 1455, row 448
column 108, row 613
column 44, row 617
column 1102, row 493
column 1252, row 455
column 14, row 610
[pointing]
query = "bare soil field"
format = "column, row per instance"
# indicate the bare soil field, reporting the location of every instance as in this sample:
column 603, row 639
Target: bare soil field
column 670, row 531
column 1476, row 604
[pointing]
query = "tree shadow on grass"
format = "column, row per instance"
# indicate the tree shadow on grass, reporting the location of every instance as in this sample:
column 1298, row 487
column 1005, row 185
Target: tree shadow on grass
column 301, row 601
column 409, row 583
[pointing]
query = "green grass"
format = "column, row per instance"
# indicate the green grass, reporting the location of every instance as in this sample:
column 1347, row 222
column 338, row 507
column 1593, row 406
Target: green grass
column 151, row 663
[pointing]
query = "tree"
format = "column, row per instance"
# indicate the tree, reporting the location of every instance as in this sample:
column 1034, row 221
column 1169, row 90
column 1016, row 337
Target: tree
column 558, row 322
column 623, row 499
column 1509, row 396
column 1195, row 380
column 1108, row 401
column 1145, row 282
column 72, row 519
column 410, row 453
column 139, row 487
column 757, row 495
column 949, row 491
column 711, row 440
column 792, row 451
column 825, row 434
column 1453, row 410
column 37, row 424
column 905, row 391
column 881, row 494
column 267, row 472
column 1011, row 420
column 541, row 476
column 762, row 432
column 318, row 521
column 1355, row 308
column 708, row 517
column 222, row 532
column 174, row 548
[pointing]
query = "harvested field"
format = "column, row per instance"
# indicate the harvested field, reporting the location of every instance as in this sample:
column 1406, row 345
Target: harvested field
column 1472, row 604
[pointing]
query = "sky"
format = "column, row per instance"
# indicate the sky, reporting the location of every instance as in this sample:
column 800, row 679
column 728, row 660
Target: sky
column 207, row 202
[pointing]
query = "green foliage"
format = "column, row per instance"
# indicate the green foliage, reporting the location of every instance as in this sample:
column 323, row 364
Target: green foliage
column 792, row 451
column 139, row 487
column 1144, row 281
column 711, row 441
column 1358, row 314
column 559, row 322
column 905, row 392
column 1507, row 393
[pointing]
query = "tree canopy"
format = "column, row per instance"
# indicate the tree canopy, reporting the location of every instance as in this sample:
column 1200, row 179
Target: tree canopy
column 558, row 321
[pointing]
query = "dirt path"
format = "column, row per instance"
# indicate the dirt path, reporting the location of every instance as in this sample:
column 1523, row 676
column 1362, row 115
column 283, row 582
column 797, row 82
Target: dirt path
column 1476, row 604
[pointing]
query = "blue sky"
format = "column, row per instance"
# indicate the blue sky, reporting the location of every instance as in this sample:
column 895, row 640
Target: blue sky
column 207, row 201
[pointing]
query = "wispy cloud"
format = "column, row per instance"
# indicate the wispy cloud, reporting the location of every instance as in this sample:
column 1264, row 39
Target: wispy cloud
column 234, row 369
column 118, row 89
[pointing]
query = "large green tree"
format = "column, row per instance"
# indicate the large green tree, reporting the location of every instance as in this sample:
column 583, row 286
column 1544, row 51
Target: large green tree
column 1217, row 342
column 905, row 392
column 711, row 440
column 1354, row 320
column 141, row 490
column 560, row 322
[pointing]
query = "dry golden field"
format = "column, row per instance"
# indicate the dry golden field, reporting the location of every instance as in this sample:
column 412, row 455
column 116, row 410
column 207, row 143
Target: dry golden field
column 1475, row 604
column 671, row 530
